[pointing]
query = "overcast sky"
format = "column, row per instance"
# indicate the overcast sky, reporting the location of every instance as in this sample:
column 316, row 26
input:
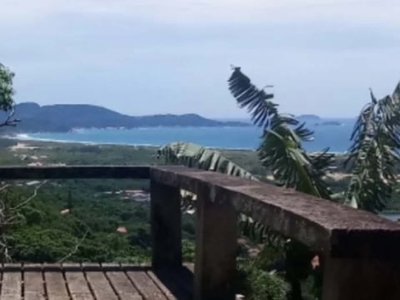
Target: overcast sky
column 146, row 56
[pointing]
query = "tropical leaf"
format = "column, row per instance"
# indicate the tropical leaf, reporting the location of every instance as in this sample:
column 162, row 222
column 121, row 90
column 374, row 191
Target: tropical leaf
column 281, row 148
column 256, row 101
column 374, row 153
column 396, row 94
column 196, row 156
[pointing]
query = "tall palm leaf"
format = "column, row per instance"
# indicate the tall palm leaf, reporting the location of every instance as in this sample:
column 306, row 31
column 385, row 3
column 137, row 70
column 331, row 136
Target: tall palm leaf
column 374, row 153
column 281, row 149
column 282, row 152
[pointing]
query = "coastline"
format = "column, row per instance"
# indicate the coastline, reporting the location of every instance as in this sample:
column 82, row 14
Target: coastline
column 29, row 137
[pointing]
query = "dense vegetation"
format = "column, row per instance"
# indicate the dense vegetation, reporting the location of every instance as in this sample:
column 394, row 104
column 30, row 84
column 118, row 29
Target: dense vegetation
column 42, row 230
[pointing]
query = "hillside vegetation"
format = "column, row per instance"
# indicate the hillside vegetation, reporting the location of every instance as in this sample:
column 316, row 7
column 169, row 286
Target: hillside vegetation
column 42, row 231
column 79, row 220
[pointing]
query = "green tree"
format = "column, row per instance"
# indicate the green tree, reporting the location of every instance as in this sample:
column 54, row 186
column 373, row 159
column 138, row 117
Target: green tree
column 6, row 105
column 6, row 95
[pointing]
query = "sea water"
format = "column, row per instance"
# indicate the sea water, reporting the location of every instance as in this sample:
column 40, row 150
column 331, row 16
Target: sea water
column 336, row 137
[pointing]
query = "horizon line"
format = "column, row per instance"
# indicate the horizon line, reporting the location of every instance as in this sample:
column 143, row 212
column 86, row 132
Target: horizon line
column 217, row 118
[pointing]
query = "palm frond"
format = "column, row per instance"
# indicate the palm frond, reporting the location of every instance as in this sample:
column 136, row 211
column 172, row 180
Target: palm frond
column 281, row 147
column 374, row 153
column 196, row 156
column 396, row 93
column 256, row 101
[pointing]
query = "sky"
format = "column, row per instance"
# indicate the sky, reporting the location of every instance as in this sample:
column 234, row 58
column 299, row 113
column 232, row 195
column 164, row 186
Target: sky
column 143, row 57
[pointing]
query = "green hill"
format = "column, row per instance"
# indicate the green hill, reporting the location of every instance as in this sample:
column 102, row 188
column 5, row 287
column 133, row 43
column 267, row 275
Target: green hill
column 64, row 117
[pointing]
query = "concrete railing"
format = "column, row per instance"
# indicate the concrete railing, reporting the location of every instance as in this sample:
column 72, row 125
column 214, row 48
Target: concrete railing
column 360, row 251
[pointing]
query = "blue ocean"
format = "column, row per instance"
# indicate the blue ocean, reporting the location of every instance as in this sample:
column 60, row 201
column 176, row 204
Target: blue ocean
column 334, row 134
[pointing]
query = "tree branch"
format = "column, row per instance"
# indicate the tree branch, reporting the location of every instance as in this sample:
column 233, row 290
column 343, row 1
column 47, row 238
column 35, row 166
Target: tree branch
column 76, row 248
column 30, row 198
column 10, row 121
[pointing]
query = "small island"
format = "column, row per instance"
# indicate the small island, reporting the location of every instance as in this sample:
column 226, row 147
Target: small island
column 317, row 120
column 309, row 118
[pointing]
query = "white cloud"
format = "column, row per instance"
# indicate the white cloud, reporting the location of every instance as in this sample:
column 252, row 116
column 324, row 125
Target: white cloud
column 382, row 12
column 334, row 48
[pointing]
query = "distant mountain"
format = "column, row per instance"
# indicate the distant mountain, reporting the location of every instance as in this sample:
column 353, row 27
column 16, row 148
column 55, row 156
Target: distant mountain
column 64, row 117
